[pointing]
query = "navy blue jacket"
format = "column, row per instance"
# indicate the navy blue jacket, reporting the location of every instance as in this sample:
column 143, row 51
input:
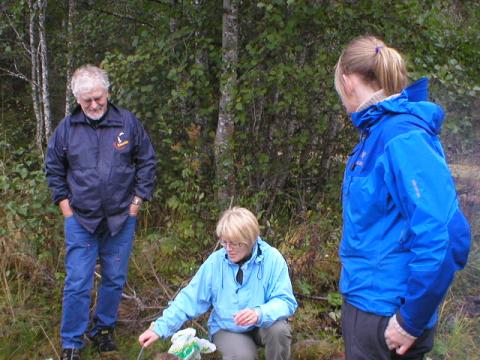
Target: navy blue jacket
column 404, row 235
column 100, row 169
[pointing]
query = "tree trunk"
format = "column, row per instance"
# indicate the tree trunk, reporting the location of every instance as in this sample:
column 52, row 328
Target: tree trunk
column 72, row 5
column 224, row 136
column 174, row 27
column 42, row 6
column 200, row 118
column 34, row 81
column 201, row 57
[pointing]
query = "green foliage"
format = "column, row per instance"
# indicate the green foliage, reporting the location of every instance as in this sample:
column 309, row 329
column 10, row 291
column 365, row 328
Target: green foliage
column 311, row 252
column 289, row 146
column 28, row 217
column 457, row 335
column 31, row 245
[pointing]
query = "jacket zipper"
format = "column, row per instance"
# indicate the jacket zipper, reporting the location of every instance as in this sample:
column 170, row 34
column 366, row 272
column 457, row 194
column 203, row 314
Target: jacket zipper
column 363, row 137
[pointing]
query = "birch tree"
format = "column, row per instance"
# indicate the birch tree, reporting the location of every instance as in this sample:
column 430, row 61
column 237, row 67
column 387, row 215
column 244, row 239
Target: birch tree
column 225, row 128
column 34, row 82
column 72, row 12
column 47, row 115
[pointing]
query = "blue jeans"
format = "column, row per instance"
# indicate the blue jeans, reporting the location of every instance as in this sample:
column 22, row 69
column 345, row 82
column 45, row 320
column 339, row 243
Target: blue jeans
column 82, row 251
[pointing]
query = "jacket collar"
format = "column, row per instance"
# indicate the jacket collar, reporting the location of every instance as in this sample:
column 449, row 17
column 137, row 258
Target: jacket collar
column 366, row 118
column 112, row 117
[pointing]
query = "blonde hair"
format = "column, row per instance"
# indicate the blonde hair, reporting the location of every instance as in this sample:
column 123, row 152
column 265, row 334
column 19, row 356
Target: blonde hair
column 238, row 224
column 87, row 78
column 379, row 65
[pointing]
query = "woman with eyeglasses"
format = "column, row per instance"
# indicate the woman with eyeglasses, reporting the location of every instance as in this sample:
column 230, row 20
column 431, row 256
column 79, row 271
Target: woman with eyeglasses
column 248, row 289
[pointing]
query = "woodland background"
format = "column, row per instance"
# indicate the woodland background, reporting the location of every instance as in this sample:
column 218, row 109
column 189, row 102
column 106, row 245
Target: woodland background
column 239, row 101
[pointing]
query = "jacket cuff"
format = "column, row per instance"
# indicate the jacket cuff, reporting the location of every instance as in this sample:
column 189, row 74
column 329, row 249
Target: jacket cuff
column 141, row 194
column 156, row 327
column 259, row 314
column 409, row 329
column 59, row 197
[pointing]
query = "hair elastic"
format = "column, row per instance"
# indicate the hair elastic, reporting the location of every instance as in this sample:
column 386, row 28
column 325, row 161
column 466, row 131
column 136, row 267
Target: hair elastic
column 377, row 49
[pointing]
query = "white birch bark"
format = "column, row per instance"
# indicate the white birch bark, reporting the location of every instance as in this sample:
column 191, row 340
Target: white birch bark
column 47, row 122
column 34, row 81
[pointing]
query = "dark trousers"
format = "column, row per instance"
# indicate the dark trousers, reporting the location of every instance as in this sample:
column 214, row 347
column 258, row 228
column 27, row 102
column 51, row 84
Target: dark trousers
column 243, row 346
column 363, row 335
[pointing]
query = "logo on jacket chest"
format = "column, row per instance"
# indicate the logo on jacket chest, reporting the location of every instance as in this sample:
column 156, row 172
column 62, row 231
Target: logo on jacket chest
column 360, row 161
column 120, row 141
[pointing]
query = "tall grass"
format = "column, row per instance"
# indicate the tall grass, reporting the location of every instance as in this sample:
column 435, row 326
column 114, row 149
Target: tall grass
column 32, row 274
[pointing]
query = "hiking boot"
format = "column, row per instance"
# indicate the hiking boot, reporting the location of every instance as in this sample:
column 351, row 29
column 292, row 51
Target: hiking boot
column 70, row 354
column 104, row 342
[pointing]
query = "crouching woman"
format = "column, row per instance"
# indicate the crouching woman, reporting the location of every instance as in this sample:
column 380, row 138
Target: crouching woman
column 247, row 286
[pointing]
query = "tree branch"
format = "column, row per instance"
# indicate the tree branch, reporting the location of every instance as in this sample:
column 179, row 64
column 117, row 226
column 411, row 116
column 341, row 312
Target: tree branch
column 19, row 37
column 126, row 17
column 14, row 74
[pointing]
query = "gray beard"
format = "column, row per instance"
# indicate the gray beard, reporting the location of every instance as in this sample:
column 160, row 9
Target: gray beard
column 98, row 117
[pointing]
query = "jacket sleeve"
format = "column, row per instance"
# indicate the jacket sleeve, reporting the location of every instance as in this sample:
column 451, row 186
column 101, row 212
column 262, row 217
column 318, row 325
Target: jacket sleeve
column 280, row 302
column 191, row 302
column 56, row 165
column 438, row 235
column 144, row 158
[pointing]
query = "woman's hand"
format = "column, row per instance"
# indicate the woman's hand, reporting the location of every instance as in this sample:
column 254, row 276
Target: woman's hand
column 397, row 338
column 147, row 338
column 246, row 317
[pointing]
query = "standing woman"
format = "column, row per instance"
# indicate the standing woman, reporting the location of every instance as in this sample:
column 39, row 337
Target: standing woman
column 404, row 235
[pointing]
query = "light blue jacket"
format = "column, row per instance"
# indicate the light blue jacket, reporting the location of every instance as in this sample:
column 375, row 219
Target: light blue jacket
column 404, row 235
column 266, row 287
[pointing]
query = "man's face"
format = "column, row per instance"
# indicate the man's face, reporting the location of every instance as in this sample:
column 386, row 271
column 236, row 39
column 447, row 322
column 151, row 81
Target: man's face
column 94, row 102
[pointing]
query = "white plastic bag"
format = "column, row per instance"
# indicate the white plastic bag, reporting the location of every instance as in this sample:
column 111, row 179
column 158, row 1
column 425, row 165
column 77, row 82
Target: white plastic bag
column 186, row 345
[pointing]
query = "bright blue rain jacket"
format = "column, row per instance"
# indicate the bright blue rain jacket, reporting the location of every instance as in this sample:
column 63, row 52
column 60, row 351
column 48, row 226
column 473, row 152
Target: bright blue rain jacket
column 266, row 287
column 404, row 235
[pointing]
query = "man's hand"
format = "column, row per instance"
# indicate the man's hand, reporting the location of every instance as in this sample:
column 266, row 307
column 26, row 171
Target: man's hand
column 65, row 207
column 246, row 317
column 148, row 338
column 135, row 206
column 133, row 210
column 397, row 338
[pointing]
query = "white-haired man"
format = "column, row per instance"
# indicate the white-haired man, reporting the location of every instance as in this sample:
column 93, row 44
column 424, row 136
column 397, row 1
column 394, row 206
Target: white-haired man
column 100, row 166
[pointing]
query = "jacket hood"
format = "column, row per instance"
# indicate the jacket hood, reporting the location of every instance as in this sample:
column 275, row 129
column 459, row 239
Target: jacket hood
column 413, row 100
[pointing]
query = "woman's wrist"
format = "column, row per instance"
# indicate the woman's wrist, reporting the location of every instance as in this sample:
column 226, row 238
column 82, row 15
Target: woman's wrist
column 401, row 330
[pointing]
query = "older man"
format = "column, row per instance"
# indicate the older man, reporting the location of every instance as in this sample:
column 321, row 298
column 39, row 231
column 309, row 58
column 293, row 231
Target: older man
column 100, row 166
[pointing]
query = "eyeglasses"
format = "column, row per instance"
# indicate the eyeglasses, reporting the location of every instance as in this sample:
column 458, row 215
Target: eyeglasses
column 232, row 245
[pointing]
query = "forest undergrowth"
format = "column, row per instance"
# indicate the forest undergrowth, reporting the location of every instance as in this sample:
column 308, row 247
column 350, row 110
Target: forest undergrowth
column 163, row 260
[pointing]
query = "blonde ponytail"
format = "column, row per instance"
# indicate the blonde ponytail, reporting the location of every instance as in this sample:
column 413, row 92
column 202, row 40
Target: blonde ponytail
column 379, row 65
